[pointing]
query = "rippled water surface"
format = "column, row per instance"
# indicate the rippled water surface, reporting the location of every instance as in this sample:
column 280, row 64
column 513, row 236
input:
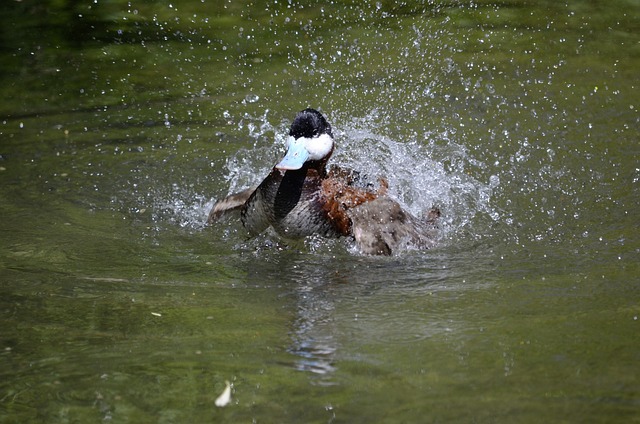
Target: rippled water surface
column 122, row 122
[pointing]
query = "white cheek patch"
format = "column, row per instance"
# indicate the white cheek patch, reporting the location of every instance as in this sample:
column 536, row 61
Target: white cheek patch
column 318, row 147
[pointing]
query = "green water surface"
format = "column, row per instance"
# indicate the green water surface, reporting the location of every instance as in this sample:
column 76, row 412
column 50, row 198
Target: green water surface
column 122, row 121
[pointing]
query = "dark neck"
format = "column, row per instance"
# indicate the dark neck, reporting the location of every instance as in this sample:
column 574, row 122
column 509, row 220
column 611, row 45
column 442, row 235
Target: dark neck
column 319, row 166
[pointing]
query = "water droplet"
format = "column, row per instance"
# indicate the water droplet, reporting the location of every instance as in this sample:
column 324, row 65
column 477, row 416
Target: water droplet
column 251, row 98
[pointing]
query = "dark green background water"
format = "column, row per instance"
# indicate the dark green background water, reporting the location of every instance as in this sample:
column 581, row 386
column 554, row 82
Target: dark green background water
column 121, row 122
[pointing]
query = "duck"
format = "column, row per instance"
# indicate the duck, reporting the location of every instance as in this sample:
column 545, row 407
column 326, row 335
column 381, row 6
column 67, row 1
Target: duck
column 303, row 196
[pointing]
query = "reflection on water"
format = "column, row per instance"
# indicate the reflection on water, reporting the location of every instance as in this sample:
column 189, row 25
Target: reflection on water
column 310, row 287
column 313, row 340
column 120, row 122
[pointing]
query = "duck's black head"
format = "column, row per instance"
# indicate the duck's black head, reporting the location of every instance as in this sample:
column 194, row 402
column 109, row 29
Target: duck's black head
column 309, row 123
column 310, row 141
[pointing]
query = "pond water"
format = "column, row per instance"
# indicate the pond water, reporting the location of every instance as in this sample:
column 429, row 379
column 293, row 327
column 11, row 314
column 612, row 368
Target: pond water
column 122, row 122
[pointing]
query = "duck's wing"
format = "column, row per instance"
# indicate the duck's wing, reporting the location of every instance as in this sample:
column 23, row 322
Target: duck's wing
column 381, row 227
column 257, row 213
column 230, row 204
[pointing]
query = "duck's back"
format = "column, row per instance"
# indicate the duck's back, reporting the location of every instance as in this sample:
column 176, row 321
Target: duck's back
column 382, row 227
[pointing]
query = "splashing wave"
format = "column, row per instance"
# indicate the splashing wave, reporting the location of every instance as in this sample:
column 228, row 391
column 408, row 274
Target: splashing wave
column 421, row 173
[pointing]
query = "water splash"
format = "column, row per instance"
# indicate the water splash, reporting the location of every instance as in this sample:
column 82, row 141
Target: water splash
column 183, row 208
column 421, row 173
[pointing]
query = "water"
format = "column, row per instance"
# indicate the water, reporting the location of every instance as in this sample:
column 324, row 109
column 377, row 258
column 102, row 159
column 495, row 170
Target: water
column 121, row 123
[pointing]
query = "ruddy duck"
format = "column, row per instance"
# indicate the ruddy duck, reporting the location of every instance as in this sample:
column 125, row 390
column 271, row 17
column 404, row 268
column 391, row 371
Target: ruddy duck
column 301, row 197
